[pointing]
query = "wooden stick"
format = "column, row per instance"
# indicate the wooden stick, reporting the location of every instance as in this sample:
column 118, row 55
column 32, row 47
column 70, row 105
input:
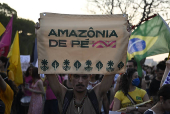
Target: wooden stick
column 140, row 104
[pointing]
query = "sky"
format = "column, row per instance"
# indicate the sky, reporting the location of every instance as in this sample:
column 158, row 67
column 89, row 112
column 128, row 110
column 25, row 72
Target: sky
column 31, row 9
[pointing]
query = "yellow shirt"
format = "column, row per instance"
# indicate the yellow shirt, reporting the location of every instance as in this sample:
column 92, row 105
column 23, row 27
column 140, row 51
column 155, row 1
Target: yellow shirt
column 137, row 95
column 7, row 97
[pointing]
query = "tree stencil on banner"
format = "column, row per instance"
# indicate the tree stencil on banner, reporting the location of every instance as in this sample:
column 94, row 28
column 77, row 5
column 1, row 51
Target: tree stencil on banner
column 44, row 63
column 110, row 68
column 88, row 63
column 55, row 65
column 77, row 64
column 66, row 63
column 99, row 65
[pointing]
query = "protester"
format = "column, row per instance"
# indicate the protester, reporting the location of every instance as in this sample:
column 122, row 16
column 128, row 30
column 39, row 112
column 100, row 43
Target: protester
column 163, row 104
column 51, row 103
column 128, row 88
column 36, row 103
column 7, row 92
column 2, row 107
column 155, row 84
column 4, row 64
column 80, row 100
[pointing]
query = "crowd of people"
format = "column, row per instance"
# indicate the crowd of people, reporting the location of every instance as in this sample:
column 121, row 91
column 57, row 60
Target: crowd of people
column 86, row 94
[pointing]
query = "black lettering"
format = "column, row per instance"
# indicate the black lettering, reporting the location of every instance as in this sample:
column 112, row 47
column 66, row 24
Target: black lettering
column 82, row 32
column 75, row 42
column 62, row 43
column 73, row 33
column 54, row 45
column 102, row 34
column 62, row 32
column 52, row 32
column 113, row 34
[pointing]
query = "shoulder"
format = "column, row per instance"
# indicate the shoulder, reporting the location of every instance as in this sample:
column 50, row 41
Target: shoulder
column 40, row 82
column 142, row 92
column 119, row 93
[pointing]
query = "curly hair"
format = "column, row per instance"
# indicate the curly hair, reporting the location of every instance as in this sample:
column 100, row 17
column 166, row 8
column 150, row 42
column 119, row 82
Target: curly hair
column 126, row 80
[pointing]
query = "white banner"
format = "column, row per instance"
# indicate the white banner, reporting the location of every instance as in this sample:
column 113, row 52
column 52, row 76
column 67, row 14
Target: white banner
column 25, row 59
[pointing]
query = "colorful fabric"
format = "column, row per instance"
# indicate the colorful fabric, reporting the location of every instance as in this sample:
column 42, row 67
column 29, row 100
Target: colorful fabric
column 14, row 59
column 150, row 38
column 137, row 96
column 7, row 97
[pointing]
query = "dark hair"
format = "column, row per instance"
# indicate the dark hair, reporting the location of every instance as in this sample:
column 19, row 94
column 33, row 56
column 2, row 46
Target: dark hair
column 161, row 65
column 4, row 60
column 134, row 62
column 164, row 91
column 27, row 72
column 10, row 83
column 126, row 79
column 35, row 73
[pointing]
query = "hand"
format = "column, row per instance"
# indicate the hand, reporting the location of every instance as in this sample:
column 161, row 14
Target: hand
column 168, row 64
column 129, row 109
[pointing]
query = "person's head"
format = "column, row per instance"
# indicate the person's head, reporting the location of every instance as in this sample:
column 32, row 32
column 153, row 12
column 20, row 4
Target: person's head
column 29, row 71
column 164, row 97
column 95, row 76
column 129, row 78
column 35, row 74
column 131, row 64
column 80, row 82
column 160, row 68
column 3, row 61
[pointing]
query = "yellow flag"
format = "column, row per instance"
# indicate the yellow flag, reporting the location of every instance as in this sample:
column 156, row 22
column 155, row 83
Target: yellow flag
column 14, row 60
column 2, row 29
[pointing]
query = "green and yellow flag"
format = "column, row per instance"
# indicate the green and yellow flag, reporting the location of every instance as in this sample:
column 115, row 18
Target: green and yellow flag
column 14, row 59
column 2, row 29
column 150, row 38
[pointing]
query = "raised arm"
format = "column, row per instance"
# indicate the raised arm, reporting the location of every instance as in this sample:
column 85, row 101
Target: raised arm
column 58, row 89
column 104, row 86
column 166, row 72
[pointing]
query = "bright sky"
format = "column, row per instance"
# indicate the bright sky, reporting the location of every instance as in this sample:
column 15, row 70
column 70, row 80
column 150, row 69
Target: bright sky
column 31, row 9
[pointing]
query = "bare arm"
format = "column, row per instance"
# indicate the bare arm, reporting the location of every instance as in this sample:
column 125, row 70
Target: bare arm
column 58, row 89
column 40, row 85
column 165, row 72
column 104, row 86
column 2, row 84
column 116, row 105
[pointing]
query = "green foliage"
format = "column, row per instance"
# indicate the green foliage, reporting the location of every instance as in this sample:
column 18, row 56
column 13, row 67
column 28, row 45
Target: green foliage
column 27, row 37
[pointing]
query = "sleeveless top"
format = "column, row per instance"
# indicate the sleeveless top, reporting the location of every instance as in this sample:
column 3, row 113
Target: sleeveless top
column 87, row 108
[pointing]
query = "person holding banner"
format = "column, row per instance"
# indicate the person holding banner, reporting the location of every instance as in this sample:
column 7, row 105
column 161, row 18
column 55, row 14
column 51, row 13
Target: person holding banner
column 80, row 100
column 130, row 94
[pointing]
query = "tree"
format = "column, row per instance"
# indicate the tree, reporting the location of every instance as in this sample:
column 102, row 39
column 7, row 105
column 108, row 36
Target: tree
column 25, row 27
column 137, row 10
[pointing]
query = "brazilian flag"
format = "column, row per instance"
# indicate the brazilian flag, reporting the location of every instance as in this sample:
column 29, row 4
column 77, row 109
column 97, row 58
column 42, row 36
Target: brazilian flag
column 150, row 38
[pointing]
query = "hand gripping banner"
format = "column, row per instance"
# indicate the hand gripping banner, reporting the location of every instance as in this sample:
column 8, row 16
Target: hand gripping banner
column 82, row 44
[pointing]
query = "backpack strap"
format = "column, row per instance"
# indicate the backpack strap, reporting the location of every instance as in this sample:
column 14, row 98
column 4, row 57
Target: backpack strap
column 67, row 99
column 93, row 99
